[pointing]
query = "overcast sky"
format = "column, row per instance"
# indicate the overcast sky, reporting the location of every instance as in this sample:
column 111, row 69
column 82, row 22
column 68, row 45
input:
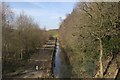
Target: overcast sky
column 45, row 13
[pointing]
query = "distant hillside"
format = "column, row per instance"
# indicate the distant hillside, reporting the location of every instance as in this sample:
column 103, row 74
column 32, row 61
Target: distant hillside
column 53, row 32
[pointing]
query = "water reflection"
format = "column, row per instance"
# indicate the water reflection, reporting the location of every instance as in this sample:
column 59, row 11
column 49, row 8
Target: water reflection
column 62, row 68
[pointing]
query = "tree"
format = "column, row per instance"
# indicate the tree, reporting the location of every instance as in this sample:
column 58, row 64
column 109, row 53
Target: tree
column 7, row 17
column 21, row 38
column 92, row 36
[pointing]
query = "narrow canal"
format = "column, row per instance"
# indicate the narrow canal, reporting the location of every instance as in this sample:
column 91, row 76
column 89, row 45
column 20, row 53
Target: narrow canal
column 62, row 67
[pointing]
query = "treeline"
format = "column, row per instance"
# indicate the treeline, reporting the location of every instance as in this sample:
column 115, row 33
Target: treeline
column 89, row 35
column 21, row 37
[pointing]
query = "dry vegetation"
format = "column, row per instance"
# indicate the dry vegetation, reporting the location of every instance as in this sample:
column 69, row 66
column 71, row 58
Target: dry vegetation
column 21, row 37
column 90, row 34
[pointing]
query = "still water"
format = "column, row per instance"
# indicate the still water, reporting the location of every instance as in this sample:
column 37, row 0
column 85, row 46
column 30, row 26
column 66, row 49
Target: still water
column 62, row 68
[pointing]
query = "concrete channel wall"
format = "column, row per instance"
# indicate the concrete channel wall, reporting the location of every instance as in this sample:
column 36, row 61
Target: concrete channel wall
column 44, row 60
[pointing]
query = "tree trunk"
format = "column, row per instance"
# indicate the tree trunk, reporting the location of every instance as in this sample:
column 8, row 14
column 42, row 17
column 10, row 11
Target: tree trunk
column 101, row 56
column 21, row 55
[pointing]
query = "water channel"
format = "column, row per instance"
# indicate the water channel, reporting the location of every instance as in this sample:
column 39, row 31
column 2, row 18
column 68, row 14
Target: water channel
column 62, row 67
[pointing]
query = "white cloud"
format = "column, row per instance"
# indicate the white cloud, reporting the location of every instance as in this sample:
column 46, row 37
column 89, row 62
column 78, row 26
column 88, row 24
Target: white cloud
column 40, row 12
column 44, row 15
column 47, row 18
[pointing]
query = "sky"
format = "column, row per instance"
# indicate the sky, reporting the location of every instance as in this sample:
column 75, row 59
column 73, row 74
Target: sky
column 46, row 14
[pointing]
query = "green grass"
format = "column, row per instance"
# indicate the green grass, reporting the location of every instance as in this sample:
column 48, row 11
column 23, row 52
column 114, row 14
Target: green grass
column 53, row 32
